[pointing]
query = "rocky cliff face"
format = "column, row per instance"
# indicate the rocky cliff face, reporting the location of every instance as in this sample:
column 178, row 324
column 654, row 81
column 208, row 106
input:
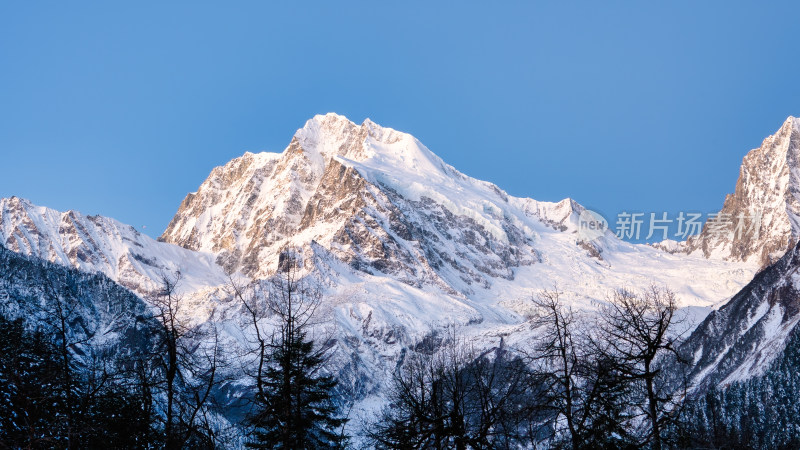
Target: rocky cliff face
column 761, row 219
column 341, row 185
column 760, row 224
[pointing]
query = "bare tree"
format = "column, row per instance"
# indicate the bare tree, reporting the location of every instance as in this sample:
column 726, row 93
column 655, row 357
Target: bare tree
column 168, row 304
column 254, row 303
column 457, row 398
column 556, row 354
column 69, row 329
column 189, row 359
column 62, row 312
column 587, row 392
column 636, row 331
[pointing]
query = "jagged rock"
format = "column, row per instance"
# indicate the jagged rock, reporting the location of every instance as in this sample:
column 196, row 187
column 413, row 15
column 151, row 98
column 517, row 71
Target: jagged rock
column 760, row 221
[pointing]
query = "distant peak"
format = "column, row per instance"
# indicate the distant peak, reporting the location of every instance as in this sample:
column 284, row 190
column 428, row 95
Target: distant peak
column 324, row 123
column 329, row 120
column 788, row 133
column 14, row 200
column 333, row 122
column 790, row 121
column 333, row 134
column 375, row 129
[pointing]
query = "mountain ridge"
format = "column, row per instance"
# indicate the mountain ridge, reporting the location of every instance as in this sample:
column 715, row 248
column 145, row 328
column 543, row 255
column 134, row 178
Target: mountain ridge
column 105, row 245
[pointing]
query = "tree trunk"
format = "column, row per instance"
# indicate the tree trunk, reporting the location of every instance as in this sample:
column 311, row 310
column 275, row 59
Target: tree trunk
column 653, row 405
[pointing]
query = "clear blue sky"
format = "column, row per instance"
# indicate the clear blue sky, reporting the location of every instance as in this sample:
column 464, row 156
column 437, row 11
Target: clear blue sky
column 121, row 108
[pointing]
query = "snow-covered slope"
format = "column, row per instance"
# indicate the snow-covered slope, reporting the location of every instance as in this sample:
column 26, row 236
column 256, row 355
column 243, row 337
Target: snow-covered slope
column 100, row 312
column 381, row 202
column 101, row 244
column 741, row 338
column 760, row 221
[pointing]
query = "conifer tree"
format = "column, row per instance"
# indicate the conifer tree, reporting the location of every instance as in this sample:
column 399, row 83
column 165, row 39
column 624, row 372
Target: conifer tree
column 293, row 405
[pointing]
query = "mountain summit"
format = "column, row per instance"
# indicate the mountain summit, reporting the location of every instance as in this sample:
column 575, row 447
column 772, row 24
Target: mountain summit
column 374, row 197
column 381, row 202
column 760, row 221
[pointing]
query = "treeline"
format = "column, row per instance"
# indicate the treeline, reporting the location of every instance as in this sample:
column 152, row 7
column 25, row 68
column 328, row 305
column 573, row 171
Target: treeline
column 57, row 383
column 44, row 404
column 611, row 379
column 585, row 382
column 85, row 364
column 761, row 412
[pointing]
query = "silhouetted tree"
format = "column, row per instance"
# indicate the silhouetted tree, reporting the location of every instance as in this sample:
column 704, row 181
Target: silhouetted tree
column 587, row 392
column 30, row 387
column 33, row 405
column 456, row 398
column 293, row 404
column 637, row 330
column 187, row 362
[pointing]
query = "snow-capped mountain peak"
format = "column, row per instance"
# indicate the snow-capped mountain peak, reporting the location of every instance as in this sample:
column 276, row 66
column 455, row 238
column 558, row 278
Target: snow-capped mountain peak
column 761, row 219
column 332, row 136
column 330, row 163
column 382, row 203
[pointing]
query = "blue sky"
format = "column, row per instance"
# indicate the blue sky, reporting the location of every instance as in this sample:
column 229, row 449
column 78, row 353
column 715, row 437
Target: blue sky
column 121, row 109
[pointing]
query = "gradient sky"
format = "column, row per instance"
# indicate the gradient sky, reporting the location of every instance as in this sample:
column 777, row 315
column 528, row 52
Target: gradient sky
column 120, row 109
